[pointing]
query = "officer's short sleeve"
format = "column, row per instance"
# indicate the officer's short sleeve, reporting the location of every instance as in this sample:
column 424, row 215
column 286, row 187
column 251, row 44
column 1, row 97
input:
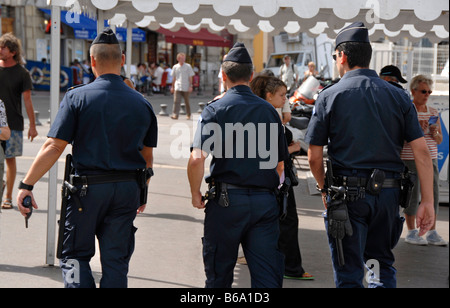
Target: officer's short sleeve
column 205, row 131
column 151, row 138
column 317, row 132
column 65, row 121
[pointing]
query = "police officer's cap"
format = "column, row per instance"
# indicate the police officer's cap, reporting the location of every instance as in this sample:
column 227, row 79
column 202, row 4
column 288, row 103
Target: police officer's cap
column 238, row 54
column 356, row 32
column 106, row 37
column 393, row 71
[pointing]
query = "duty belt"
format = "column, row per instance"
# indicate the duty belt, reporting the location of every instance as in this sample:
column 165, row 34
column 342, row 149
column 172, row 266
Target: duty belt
column 220, row 190
column 121, row 176
column 354, row 181
column 356, row 187
column 256, row 189
column 113, row 177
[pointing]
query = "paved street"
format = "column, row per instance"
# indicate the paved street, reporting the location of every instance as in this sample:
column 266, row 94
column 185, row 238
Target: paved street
column 168, row 250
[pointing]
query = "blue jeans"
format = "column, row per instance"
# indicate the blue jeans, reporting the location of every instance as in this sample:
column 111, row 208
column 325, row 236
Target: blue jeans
column 377, row 227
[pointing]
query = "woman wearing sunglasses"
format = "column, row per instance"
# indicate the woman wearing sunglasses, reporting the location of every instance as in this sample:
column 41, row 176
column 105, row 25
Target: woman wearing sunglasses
column 429, row 121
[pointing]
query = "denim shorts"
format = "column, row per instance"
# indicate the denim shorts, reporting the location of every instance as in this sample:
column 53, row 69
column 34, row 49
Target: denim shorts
column 14, row 144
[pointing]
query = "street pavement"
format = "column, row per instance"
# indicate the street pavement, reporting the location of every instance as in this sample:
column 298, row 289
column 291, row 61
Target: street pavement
column 168, row 251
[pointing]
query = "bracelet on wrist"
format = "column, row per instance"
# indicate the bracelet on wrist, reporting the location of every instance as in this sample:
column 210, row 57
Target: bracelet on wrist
column 22, row 185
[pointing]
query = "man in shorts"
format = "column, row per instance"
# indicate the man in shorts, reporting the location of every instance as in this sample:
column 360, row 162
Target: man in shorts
column 16, row 83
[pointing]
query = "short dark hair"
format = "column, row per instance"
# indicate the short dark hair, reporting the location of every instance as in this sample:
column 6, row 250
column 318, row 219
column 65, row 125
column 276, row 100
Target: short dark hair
column 358, row 54
column 237, row 71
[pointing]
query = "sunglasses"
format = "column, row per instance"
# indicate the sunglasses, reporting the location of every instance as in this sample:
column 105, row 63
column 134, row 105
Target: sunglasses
column 334, row 55
column 425, row 91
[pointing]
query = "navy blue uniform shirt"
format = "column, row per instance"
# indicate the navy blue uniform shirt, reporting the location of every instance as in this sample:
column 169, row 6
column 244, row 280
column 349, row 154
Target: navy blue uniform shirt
column 365, row 121
column 108, row 123
column 246, row 138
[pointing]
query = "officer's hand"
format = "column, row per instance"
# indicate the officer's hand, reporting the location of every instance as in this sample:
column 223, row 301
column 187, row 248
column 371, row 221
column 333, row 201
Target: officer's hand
column 197, row 200
column 324, row 200
column 141, row 208
column 20, row 196
column 425, row 217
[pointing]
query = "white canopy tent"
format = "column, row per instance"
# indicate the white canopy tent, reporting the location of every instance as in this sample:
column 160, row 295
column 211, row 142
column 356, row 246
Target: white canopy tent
column 414, row 19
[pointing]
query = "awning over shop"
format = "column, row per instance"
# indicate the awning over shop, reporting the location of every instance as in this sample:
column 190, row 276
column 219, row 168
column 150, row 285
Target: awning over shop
column 86, row 28
column 201, row 38
column 395, row 19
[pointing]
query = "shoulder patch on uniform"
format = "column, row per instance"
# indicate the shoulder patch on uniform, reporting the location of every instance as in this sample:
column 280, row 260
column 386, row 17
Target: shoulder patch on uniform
column 213, row 101
column 327, row 87
column 216, row 98
column 74, row 87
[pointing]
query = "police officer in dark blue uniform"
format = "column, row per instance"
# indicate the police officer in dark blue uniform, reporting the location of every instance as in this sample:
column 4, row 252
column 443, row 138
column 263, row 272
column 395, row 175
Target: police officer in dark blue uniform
column 364, row 121
column 244, row 134
column 113, row 131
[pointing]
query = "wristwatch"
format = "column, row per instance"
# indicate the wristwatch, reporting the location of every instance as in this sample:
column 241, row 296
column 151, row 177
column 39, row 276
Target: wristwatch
column 22, row 185
column 322, row 190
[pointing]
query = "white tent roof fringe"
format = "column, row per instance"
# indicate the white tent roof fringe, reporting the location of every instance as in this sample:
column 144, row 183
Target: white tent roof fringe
column 412, row 18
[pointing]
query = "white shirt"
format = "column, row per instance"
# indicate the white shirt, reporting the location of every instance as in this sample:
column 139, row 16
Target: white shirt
column 158, row 75
column 182, row 74
column 287, row 74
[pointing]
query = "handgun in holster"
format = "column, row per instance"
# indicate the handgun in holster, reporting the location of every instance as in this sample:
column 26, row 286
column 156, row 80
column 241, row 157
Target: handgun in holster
column 339, row 223
column 143, row 176
column 210, row 193
column 408, row 181
column 282, row 198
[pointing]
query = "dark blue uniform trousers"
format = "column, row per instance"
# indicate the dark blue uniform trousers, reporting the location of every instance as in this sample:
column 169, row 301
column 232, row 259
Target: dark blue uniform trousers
column 108, row 213
column 377, row 227
column 251, row 219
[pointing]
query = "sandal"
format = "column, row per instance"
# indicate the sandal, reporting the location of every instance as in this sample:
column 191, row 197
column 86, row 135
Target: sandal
column 305, row 276
column 7, row 204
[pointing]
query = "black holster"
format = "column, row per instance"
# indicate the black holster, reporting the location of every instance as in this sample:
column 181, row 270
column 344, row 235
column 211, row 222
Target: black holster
column 407, row 184
column 282, row 197
column 143, row 176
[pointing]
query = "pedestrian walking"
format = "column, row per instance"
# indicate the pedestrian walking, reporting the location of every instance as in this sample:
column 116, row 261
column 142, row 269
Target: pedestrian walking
column 182, row 74
column 242, row 207
column 274, row 91
column 364, row 121
column 113, row 131
column 288, row 73
column 15, row 85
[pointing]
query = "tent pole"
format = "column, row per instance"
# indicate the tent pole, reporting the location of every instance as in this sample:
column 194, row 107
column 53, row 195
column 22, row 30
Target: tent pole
column 129, row 46
column 54, row 102
column 100, row 21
